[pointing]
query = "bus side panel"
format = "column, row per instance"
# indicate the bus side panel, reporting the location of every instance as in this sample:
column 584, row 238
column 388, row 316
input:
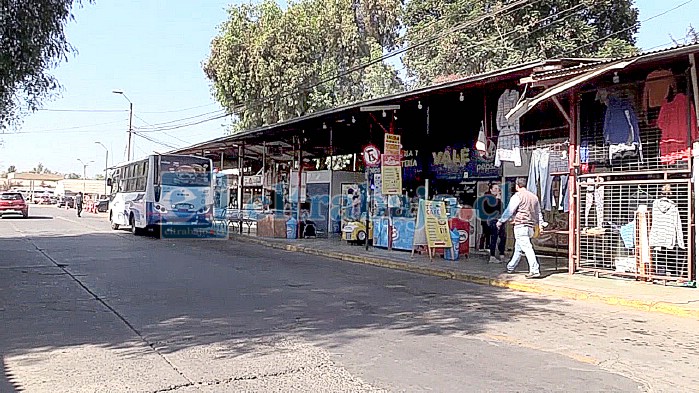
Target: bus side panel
column 126, row 204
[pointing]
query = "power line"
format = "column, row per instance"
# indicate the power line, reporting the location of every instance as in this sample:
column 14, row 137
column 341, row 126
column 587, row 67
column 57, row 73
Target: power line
column 85, row 110
column 63, row 129
column 510, row 7
column 155, row 141
column 629, row 28
column 263, row 100
column 220, row 111
column 181, row 110
column 164, row 133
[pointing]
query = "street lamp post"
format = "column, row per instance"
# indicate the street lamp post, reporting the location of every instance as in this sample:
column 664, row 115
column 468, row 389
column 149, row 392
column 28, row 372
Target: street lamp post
column 106, row 165
column 85, row 174
column 128, row 144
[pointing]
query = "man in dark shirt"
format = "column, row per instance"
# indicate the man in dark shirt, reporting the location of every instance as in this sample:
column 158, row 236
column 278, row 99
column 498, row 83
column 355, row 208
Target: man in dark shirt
column 79, row 203
column 492, row 207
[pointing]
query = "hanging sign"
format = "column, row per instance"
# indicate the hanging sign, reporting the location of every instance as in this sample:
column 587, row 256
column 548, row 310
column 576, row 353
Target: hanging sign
column 371, row 155
column 391, row 168
column 252, row 181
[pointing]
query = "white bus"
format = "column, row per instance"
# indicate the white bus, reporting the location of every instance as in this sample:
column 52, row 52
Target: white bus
column 165, row 193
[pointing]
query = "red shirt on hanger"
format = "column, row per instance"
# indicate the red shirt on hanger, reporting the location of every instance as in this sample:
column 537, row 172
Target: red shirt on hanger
column 672, row 121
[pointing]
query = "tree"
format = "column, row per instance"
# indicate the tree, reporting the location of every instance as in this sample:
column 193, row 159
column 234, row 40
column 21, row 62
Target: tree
column 691, row 37
column 539, row 30
column 33, row 41
column 73, row 176
column 11, row 169
column 38, row 169
column 263, row 51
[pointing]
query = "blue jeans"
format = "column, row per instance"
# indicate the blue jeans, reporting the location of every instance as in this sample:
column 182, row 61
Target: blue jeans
column 540, row 181
column 495, row 235
column 523, row 245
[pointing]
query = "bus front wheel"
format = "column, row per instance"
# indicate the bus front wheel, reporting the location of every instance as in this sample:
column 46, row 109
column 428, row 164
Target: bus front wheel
column 114, row 225
column 134, row 229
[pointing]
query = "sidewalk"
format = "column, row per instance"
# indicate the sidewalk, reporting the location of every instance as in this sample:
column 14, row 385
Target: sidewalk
column 671, row 300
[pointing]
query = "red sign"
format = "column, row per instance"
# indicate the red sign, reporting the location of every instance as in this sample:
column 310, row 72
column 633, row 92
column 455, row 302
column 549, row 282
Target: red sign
column 371, row 155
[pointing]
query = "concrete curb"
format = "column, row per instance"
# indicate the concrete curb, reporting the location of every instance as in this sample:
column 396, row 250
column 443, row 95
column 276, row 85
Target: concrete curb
column 530, row 287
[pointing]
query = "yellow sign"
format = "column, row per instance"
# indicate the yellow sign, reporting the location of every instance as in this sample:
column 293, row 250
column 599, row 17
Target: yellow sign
column 432, row 227
column 437, row 225
column 391, row 168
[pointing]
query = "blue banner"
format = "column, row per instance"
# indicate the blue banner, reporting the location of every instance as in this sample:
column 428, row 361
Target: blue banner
column 461, row 162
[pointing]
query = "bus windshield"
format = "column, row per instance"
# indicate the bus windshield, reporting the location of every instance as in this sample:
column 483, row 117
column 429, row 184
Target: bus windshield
column 185, row 171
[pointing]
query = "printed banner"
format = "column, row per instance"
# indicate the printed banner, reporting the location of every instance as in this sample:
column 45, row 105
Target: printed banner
column 391, row 168
column 432, row 226
column 437, row 225
column 461, row 163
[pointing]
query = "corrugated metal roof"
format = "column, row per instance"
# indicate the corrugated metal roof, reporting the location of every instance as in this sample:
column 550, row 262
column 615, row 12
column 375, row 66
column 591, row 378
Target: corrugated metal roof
column 587, row 64
column 641, row 57
column 382, row 100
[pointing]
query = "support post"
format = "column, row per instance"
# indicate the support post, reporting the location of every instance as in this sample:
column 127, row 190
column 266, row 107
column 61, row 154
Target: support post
column 573, row 164
column 241, row 162
column 695, row 84
column 298, row 191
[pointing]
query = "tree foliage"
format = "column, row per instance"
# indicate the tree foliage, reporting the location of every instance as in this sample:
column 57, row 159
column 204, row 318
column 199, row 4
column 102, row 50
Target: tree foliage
column 541, row 30
column 265, row 51
column 33, row 41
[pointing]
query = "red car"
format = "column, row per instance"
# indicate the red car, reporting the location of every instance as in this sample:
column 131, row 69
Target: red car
column 13, row 203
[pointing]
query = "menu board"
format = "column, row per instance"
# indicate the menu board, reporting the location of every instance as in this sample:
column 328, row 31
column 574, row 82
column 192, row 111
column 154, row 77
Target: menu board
column 391, row 168
column 432, row 227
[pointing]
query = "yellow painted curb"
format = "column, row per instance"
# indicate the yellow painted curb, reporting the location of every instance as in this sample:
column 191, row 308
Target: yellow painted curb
column 533, row 287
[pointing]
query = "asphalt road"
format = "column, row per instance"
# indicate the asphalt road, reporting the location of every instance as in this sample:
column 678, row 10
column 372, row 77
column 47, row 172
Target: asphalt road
column 87, row 309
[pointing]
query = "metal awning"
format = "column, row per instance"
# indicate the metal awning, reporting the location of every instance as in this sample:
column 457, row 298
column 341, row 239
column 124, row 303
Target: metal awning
column 528, row 104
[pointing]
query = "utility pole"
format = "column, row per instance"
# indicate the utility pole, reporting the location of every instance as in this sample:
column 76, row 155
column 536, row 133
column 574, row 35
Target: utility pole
column 85, row 174
column 106, row 165
column 128, row 155
column 128, row 143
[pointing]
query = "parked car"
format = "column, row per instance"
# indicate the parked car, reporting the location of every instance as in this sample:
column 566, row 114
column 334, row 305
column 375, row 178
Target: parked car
column 66, row 201
column 13, row 203
column 103, row 205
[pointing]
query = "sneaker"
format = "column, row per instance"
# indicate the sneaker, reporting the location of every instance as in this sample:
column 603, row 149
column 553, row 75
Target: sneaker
column 508, row 271
column 502, row 257
column 493, row 260
column 533, row 275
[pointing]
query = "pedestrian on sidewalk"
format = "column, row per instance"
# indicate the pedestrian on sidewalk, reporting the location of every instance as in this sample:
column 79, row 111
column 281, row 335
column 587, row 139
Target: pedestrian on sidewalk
column 79, row 203
column 492, row 207
column 525, row 211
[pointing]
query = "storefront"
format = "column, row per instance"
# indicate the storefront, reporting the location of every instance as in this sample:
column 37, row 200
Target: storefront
column 632, row 202
column 601, row 143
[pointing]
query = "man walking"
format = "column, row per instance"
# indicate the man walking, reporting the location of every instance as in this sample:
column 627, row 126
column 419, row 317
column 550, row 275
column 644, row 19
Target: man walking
column 525, row 211
column 79, row 203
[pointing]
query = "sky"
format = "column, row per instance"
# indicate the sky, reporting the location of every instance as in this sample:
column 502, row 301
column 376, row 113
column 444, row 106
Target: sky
column 152, row 50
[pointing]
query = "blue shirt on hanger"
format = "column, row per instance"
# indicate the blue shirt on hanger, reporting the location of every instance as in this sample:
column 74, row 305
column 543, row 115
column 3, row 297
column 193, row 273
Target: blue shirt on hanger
column 620, row 122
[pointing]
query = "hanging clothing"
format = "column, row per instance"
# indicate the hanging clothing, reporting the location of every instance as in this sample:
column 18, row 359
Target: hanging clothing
column 539, row 181
column 508, row 130
column 481, row 142
column 666, row 230
column 620, row 122
column 594, row 196
column 643, row 256
column 673, row 122
column 564, row 195
column 513, row 155
column 657, row 87
column 628, row 235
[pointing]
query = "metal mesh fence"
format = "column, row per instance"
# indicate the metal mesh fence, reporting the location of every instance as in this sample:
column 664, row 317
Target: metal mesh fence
column 637, row 228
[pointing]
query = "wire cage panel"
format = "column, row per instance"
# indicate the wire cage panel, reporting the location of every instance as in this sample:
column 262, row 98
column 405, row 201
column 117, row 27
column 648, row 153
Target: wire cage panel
column 659, row 135
column 636, row 228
